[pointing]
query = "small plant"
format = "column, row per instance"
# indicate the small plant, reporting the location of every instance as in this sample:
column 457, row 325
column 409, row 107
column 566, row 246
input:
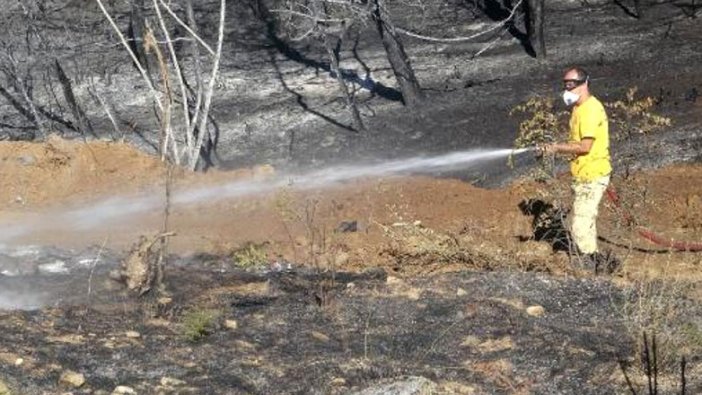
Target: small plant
column 250, row 255
column 656, row 307
column 199, row 323
column 542, row 123
column 633, row 115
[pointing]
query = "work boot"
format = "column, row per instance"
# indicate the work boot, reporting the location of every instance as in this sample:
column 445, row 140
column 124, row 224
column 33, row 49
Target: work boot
column 602, row 263
column 612, row 264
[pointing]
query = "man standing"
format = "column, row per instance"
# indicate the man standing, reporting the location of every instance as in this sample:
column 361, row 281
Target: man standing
column 590, row 164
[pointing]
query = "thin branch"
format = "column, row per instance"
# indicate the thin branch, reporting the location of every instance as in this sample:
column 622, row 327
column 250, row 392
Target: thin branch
column 131, row 54
column 466, row 38
column 310, row 17
column 187, row 28
column 194, row 154
column 179, row 76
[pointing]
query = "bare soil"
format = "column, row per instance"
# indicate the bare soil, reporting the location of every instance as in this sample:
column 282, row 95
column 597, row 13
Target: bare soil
column 389, row 213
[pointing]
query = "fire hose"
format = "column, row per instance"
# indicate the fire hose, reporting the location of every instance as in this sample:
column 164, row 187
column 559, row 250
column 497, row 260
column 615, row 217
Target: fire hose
column 644, row 232
column 647, row 233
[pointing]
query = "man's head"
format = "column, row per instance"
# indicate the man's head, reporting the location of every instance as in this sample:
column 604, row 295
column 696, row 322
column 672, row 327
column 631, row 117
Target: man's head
column 576, row 85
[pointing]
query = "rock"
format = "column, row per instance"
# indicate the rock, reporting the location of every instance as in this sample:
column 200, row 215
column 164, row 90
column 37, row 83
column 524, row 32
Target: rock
column 123, row 390
column 461, row 292
column 164, row 301
column 19, row 361
column 26, row 160
column 231, row 324
column 347, row 226
column 171, row 382
column 495, row 345
column 412, row 385
column 132, row 334
column 532, row 249
column 470, row 341
column 341, row 259
column 4, row 390
column 71, row 379
column 338, row 382
column 535, row 311
column 319, row 336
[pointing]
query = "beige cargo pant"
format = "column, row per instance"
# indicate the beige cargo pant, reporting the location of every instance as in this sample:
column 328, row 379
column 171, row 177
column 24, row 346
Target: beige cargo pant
column 585, row 207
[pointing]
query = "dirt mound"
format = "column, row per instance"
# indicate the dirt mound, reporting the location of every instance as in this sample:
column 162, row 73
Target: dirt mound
column 38, row 174
column 408, row 224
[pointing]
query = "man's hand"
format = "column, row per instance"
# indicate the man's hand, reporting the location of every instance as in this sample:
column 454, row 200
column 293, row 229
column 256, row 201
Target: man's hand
column 544, row 149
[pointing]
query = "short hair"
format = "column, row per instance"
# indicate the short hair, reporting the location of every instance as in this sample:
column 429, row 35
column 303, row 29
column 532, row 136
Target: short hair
column 581, row 73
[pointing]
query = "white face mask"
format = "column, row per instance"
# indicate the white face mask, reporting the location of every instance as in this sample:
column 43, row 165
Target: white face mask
column 570, row 98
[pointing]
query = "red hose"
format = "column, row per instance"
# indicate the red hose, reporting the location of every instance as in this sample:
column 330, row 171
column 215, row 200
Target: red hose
column 648, row 234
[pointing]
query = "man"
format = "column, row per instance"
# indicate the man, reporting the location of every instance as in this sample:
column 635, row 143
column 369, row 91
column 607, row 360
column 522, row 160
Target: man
column 590, row 164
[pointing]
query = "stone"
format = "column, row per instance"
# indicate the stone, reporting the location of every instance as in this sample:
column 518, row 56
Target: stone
column 4, row 390
column 71, row 379
column 536, row 311
column 319, row 336
column 461, row 292
column 132, row 334
column 347, row 226
column 26, row 160
column 231, row 324
column 171, row 382
column 338, row 382
column 123, row 390
column 19, row 361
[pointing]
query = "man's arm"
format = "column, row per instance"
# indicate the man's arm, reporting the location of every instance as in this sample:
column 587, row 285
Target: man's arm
column 582, row 147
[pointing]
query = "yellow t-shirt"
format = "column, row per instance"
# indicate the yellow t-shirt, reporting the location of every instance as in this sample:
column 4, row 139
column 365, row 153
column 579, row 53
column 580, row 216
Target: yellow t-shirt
column 590, row 120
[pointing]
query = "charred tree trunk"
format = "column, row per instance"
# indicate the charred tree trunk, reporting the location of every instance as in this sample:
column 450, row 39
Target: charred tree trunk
column 136, row 32
column 535, row 27
column 639, row 8
column 321, row 14
column 412, row 94
column 78, row 114
column 350, row 100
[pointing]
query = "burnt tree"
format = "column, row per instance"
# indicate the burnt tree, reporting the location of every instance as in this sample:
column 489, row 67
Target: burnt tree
column 534, row 19
column 412, row 94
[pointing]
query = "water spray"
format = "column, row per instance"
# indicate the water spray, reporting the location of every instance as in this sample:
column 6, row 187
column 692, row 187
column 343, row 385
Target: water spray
column 100, row 213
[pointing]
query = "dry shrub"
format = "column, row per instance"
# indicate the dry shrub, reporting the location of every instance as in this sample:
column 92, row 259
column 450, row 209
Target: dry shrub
column 634, row 115
column 660, row 307
column 542, row 122
column 250, row 255
column 411, row 244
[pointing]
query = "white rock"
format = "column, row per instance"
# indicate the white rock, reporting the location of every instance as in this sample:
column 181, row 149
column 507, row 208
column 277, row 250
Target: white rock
column 71, row 379
column 536, row 311
column 123, row 390
column 19, row 361
column 132, row 334
column 231, row 324
column 171, row 382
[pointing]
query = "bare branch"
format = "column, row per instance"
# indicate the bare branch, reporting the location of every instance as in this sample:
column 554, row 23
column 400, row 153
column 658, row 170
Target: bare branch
column 131, row 54
column 189, row 30
column 310, row 17
column 181, row 82
column 194, row 154
column 466, row 38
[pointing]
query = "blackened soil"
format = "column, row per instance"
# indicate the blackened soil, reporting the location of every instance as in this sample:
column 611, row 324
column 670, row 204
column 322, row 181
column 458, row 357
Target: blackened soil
column 301, row 333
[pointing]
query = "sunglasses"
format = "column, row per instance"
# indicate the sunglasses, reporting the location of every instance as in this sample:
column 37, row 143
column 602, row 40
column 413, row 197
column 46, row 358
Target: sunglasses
column 573, row 83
